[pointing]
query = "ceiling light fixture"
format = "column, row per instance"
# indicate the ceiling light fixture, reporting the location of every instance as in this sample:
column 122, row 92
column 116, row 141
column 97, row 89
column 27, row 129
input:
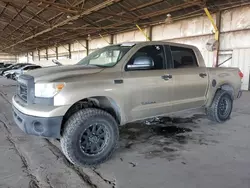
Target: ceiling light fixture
column 169, row 19
column 89, row 37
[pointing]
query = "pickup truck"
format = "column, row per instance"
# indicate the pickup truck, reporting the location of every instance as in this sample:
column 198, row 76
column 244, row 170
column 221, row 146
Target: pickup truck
column 83, row 105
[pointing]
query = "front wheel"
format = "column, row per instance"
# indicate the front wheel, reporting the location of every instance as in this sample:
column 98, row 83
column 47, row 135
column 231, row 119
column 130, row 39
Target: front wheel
column 221, row 108
column 90, row 137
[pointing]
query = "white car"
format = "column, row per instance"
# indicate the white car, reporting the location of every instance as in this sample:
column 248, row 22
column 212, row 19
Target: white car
column 15, row 73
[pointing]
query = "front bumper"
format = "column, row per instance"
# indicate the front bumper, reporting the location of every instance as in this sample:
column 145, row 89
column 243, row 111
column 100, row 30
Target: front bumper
column 39, row 126
column 39, row 110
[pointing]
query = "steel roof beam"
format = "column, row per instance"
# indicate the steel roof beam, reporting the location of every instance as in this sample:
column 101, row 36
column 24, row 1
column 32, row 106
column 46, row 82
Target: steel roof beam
column 73, row 18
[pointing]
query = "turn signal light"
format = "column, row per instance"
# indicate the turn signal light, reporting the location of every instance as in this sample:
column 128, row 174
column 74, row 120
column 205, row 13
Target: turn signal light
column 59, row 87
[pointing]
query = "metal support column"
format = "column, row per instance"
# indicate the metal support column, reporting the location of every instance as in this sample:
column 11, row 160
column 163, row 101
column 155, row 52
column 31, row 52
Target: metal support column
column 39, row 57
column 218, row 24
column 27, row 57
column 140, row 29
column 70, row 55
column 150, row 32
column 47, row 55
column 216, row 36
column 87, row 47
column 56, row 52
column 32, row 53
column 216, row 27
column 111, row 39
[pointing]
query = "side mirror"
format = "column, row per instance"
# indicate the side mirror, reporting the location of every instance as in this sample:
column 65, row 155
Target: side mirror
column 142, row 63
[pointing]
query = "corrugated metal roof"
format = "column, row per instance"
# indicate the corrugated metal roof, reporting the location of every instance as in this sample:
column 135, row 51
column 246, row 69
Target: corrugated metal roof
column 29, row 24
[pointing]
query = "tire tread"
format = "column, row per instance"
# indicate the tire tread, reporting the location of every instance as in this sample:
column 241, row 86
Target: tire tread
column 70, row 127
column 212, row 111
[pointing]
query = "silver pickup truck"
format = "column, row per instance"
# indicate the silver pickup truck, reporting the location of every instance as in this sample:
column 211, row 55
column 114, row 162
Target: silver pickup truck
column 84, row 104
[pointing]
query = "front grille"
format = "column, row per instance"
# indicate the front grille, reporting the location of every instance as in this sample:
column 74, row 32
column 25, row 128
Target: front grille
column 26, row 87
column 22, row 91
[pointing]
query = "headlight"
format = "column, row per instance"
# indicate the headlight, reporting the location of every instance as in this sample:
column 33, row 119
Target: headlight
column 48, row 90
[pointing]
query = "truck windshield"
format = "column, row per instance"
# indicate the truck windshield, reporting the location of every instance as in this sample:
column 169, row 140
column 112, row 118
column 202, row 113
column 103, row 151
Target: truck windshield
column 105, row 57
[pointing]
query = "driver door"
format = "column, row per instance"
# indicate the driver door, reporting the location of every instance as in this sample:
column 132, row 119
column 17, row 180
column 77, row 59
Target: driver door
column 148, row 92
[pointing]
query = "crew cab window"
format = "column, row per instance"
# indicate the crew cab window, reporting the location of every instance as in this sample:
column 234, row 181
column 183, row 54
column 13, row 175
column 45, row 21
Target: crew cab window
column 154, row 52
column 183, row 57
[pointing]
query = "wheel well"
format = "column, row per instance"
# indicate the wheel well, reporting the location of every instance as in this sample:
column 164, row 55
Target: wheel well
column 229, row 88
column 105, row 103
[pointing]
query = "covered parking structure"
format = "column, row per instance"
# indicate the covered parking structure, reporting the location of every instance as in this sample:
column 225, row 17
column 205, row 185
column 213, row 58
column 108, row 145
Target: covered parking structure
column 38, row 24
column 41, row 30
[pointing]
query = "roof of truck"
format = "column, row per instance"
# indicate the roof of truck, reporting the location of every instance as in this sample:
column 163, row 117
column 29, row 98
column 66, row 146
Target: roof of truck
column 155, row 43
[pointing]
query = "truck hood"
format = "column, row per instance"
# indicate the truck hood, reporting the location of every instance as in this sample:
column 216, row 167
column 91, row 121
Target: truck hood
column 61, row 73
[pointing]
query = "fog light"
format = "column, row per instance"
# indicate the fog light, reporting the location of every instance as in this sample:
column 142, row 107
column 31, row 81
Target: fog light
column 38, row 127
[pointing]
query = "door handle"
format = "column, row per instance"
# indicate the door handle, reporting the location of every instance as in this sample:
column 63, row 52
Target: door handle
column 203, row 75
column 118, row 81
column 167, row 77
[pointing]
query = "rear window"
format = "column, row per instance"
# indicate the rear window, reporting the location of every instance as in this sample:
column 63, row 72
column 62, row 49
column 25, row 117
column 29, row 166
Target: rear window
column 183, row 57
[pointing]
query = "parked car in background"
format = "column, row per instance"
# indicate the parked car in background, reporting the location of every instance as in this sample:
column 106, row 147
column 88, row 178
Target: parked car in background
column 24, row 70
column 4, row 68
column 15, row 73
column 14, row 66
column 7, row 64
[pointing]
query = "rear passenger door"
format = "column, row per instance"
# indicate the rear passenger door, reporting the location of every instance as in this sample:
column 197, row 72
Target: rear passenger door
column 189, row 80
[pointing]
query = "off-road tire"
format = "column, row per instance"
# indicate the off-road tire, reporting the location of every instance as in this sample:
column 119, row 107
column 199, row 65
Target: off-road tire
column 213, row 111
column 75, row 127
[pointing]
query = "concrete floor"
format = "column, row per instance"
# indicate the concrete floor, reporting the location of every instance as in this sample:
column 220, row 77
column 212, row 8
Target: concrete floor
column 169, row 152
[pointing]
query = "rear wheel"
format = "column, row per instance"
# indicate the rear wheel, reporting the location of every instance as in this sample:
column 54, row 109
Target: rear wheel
column 221, row 108
column 90, row 137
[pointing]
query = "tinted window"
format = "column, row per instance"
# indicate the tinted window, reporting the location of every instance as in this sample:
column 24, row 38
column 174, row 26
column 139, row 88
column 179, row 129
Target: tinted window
column 155, row 52
column 31, row 67
column 17, row 66
column 26, row 68
column 7, row 65
column 35, row 67
column 183, row 57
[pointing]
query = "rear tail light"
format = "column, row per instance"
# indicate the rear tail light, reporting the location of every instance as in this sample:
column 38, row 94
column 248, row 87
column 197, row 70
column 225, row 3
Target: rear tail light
column 241, row 74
